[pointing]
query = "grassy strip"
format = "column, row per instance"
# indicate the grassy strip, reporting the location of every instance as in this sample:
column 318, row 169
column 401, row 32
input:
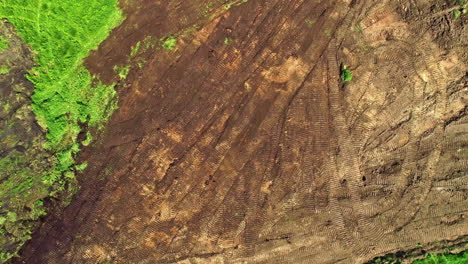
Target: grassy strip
column 4, row 69
column 62, row 33
column 66, row 100
column 3, row 43
column 446, row 258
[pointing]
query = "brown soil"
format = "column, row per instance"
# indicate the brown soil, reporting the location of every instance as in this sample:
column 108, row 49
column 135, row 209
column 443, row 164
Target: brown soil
column 255, row 152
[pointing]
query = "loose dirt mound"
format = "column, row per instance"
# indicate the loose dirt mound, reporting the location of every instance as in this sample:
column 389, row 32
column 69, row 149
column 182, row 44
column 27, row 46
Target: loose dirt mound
column 243, row 146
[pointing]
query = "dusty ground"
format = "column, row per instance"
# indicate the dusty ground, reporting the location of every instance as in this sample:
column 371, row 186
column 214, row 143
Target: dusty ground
column 255, row 152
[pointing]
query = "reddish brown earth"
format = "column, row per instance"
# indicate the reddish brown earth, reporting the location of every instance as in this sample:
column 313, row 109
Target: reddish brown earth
column 256, row 152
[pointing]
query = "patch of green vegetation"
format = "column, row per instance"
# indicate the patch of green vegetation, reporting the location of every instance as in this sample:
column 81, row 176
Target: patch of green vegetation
column 66, row 99
column 4, row 43
column 460, row 11
column 214, row 8
column 122, row 71
column 227, row 41
column 62, row 33
column 387, row 259
column 169, row 43
column 149, row 43
column 6, row 107
column 207, row 8
column 345, row 74
column 21, row 195
column 135, row 50
column 4, row 70
column 445, row 258
column 185, row 33
column 358, row 28
column 228, row 4
column 88, row 139
column 81, row 167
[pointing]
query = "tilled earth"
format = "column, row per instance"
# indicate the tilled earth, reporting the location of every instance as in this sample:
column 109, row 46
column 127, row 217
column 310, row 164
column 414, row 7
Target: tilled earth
column 243, row 146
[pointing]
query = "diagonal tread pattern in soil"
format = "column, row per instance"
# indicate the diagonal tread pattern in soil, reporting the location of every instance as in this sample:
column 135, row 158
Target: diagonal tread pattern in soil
column 256, row 152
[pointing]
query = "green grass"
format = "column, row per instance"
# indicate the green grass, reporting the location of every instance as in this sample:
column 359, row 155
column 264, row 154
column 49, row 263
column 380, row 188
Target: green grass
column 82, row 166
column 446, row 258
column 122, row 71
column 66, row 99
column 387, row 259
column 4, row 69
column 358, row 28
column 345, row 74
column 135, row 49
column 462, row 10
column 3, row 43
column 89, row 138
column 227, row 41
column 62, row 33
column 21, row 195
column 228, row 4
column 169, row 43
